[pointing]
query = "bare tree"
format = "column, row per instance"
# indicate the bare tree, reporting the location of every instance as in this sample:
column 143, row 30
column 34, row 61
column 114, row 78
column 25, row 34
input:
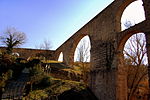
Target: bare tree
column 83, row 51
column 83, row 57
column 135, row 58
column 135, row 49
column 46, row 45
column 12, row 38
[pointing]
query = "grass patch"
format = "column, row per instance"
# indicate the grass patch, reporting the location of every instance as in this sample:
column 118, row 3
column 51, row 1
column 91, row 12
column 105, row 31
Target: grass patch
column 51, row 61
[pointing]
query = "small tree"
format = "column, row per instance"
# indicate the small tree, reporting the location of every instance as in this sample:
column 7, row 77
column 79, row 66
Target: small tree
column 12, row 38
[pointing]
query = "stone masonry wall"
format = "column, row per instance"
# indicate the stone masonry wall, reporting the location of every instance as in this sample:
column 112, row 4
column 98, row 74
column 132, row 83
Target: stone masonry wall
column 26, row 53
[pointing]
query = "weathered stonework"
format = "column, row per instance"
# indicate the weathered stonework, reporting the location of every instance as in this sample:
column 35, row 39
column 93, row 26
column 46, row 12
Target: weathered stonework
column 26, row 53
column 108, row 76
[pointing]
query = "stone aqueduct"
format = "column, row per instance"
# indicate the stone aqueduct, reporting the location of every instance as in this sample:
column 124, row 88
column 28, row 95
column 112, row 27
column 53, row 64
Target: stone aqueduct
column 107, row 75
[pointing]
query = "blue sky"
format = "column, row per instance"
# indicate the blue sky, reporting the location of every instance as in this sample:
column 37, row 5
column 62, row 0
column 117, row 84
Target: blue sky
column 54, row 20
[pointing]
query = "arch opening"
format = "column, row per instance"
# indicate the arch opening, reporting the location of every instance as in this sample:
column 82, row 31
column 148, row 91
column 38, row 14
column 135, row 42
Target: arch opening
column 82, row 51
column 60, row 58
column 135, row 47
column 132, row 14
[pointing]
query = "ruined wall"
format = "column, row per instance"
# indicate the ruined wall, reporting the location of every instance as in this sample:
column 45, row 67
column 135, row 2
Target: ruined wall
column 26, row 53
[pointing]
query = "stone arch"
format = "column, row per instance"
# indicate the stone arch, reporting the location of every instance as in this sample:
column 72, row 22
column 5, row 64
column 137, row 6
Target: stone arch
column 121, row 73
column 124, row 37
column 56, row 55
column 121, row 76
column 119, row 12
column 84, row 39
column 60, row 57
column 75, row 43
